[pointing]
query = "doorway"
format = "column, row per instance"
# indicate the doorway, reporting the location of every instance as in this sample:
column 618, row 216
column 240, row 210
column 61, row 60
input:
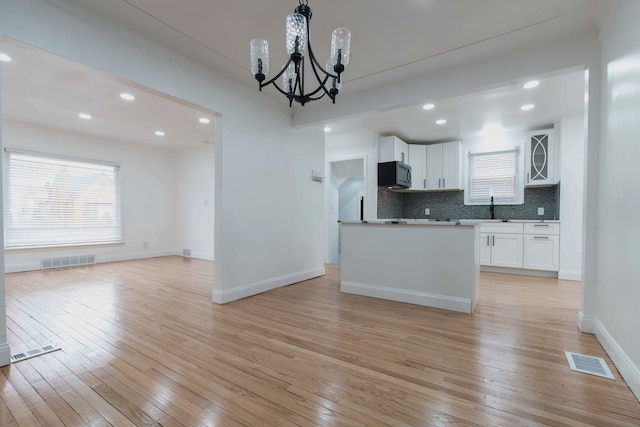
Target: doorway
column 346, row 199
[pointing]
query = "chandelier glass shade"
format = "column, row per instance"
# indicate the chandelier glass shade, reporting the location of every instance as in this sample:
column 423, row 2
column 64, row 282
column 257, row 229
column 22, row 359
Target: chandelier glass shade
column 298, row 44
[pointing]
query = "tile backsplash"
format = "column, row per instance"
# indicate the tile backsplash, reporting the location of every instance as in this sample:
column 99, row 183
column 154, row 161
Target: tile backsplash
column 450, row 205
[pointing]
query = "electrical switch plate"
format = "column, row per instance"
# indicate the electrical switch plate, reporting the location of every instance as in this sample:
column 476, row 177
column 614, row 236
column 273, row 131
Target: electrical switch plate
column 540, row 211
column 427, row 211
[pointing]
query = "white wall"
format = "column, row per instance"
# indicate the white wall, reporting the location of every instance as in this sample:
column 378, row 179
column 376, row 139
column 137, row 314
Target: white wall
column 362, row 144
column 269, row 215
column 572, row 167
column 195, row 200
column 147, row 187
column 617, row 258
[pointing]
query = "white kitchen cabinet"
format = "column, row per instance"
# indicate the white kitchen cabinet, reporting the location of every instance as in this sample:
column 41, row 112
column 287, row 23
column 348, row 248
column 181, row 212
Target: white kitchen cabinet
column 418, row 163
column 392, row 149
column 542, row 246
column 444, row 171
column 541, row 159
column 501, row 244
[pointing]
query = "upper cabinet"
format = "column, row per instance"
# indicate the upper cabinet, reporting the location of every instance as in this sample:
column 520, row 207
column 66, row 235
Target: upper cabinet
column 418, row 163
column 392, row 149
column 444, row 171
column 541, row 158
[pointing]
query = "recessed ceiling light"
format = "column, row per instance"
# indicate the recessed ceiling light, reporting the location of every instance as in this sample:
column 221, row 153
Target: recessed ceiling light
column 531, row 84
column 4, row 57
column 127, row 96
column 428, row 106
column 84, row 116
column 327, row 129
column 527, row 107
column 441, row 121
column 159, row 133
column 204, row 120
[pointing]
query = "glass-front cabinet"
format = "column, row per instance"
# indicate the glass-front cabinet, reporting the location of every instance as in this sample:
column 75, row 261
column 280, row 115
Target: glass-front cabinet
column 540, row 158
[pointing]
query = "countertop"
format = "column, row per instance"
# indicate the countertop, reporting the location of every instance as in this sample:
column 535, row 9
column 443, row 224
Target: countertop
column 423, row 221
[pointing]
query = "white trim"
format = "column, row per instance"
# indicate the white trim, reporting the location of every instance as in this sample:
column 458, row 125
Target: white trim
column 586, row 324
column 570, row 275
column 519, row 271
column 18, row 268
column 223, row 297
column 207, row 256
column 5, row 354
column 627, row 369
column 412, row 297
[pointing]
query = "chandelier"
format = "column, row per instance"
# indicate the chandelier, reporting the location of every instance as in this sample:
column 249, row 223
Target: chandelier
column 298, row 43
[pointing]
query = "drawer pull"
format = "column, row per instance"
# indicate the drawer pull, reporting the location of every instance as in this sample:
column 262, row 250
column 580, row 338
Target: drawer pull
column 541, row 237
column 540, row 225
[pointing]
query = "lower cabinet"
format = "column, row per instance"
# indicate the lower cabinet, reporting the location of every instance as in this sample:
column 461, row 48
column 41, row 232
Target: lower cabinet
column 529, row 245
column 542, row 247
column 501, row 250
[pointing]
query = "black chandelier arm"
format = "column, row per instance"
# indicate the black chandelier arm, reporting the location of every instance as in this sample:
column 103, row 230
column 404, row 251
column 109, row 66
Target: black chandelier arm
column 312, row 57
column 277, row 75
column 322, row 86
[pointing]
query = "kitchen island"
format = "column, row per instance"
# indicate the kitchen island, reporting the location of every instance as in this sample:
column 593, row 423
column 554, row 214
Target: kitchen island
column 435, row 264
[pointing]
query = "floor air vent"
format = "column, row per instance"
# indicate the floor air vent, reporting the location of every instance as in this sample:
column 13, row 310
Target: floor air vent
column 67, row 261
column 18, row 357
column 589, row 365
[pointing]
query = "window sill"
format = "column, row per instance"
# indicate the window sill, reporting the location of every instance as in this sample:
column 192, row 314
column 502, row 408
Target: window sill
column 68, row 246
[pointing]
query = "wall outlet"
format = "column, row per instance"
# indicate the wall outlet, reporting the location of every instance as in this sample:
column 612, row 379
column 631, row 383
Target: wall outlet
column 541, row 211
column 427, row 211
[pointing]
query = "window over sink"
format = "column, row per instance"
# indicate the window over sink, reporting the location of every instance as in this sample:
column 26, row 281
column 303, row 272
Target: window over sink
column 494, row 174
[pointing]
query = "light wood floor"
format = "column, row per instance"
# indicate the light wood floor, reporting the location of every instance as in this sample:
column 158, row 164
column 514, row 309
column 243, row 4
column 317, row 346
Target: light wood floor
column 142, row 344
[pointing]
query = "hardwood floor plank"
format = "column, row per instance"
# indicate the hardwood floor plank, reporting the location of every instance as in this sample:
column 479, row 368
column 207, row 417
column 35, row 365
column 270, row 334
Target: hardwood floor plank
column 142, row 344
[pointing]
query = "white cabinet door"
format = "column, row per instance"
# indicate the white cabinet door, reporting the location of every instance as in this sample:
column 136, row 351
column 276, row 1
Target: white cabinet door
column 443, row 166
column 506, row 250
column 418, row 163
column 391, row 149
column 542, row 252
column 540, row 153
column 451, row 169
column 434, row 167
column 485, row 249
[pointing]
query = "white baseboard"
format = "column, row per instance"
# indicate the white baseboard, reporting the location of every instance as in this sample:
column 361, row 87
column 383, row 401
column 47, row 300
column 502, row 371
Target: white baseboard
column 586, row 324
column 629, row 371
column 412, row 297
column 570, row 275
column 5, row 354
column 202, row 255
column 131, row 256
column 223, row 297
column 18, row 268
column 519, row 271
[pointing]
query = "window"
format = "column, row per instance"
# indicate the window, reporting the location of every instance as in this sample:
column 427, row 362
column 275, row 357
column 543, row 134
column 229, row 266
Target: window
column 53, row 200
column 494, row 174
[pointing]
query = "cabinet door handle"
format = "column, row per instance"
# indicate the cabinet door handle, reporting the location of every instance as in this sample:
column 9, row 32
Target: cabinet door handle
column 540, row 225
column 487, row 240
column 402, row 157
column 424, row 183
column 527, row 177
column 494, row 240
column 444, row 182
column 439, row 182
column 540, row 237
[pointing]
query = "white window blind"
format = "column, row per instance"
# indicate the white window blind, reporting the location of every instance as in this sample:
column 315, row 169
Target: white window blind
column 493, row 174
column 53, row 200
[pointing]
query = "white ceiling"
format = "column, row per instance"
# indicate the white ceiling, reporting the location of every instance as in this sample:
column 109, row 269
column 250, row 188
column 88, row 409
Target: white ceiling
column 46, row 90
column 386, row 36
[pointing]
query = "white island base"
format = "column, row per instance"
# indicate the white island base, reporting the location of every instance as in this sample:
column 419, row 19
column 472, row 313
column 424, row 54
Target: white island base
column 430, row 264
